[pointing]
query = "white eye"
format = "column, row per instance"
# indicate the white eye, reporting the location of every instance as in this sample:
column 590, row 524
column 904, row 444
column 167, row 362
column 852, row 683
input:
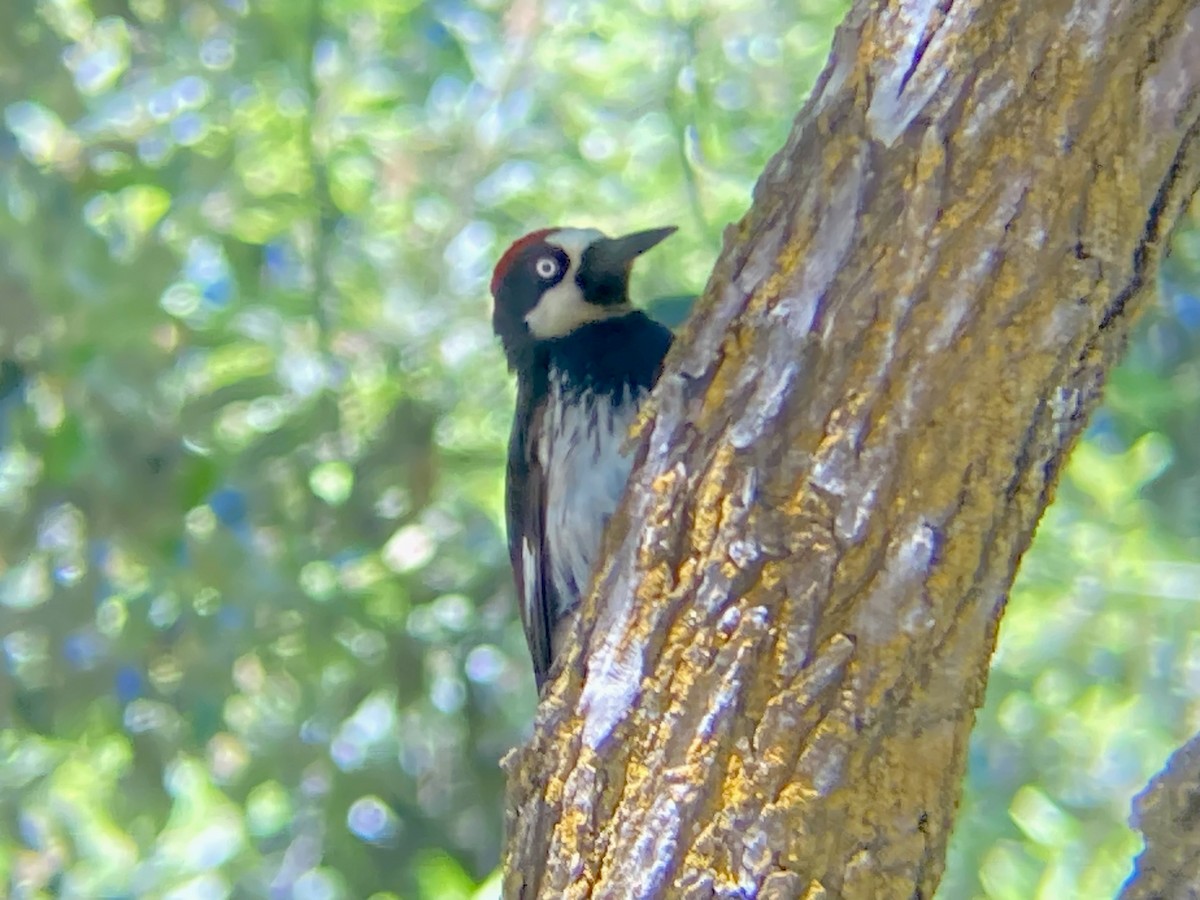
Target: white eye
column 546, row 267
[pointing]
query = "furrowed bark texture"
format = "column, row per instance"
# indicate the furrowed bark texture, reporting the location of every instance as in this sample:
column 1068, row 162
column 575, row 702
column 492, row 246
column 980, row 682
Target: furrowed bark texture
column 1168, row 813
column 851, row 446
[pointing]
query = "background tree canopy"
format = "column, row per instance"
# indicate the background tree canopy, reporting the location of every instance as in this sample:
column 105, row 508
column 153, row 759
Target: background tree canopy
column 256, row 621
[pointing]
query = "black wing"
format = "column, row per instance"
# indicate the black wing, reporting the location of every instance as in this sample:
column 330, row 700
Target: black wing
column 525, row 508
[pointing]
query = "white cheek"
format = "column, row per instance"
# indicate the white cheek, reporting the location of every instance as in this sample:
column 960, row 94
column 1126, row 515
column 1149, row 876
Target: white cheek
column 561, row 310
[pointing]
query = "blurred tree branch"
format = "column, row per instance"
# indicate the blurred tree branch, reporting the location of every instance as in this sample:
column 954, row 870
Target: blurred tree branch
column 1166, row 812
column 852, row 446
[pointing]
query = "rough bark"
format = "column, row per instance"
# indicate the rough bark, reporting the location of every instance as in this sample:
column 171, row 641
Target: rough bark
column 1168, row 813
column 850, row 449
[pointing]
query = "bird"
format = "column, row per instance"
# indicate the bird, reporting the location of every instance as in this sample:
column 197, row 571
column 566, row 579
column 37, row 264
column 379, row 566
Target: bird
column 585, row 360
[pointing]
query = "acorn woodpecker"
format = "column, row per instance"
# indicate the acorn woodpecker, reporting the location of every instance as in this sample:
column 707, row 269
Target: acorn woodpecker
column 585, row 360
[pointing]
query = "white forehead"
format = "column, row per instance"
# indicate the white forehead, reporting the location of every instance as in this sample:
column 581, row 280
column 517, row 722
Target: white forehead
column 574, row 240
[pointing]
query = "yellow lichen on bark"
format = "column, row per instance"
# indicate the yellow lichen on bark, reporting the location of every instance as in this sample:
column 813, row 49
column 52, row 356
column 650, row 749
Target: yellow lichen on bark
column 776, row 674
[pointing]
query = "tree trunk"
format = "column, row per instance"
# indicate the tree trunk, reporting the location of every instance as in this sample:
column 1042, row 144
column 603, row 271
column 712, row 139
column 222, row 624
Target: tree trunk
column 1168, row 812
column 849, row 451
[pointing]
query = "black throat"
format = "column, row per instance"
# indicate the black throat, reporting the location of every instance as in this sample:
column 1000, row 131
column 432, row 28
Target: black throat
column 604, row 357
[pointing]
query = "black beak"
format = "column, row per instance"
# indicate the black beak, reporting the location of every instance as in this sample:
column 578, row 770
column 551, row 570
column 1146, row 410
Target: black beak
column 614, row 255
column 604, row 270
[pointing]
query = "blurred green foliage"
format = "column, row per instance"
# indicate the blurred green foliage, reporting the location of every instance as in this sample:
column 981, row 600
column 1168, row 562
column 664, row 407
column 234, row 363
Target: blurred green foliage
column 256, row 621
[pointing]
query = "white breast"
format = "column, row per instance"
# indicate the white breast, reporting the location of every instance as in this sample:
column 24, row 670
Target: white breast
column 580, row 452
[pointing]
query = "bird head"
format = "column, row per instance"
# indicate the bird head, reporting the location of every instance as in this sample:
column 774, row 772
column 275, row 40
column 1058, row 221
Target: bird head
column 556, row 280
